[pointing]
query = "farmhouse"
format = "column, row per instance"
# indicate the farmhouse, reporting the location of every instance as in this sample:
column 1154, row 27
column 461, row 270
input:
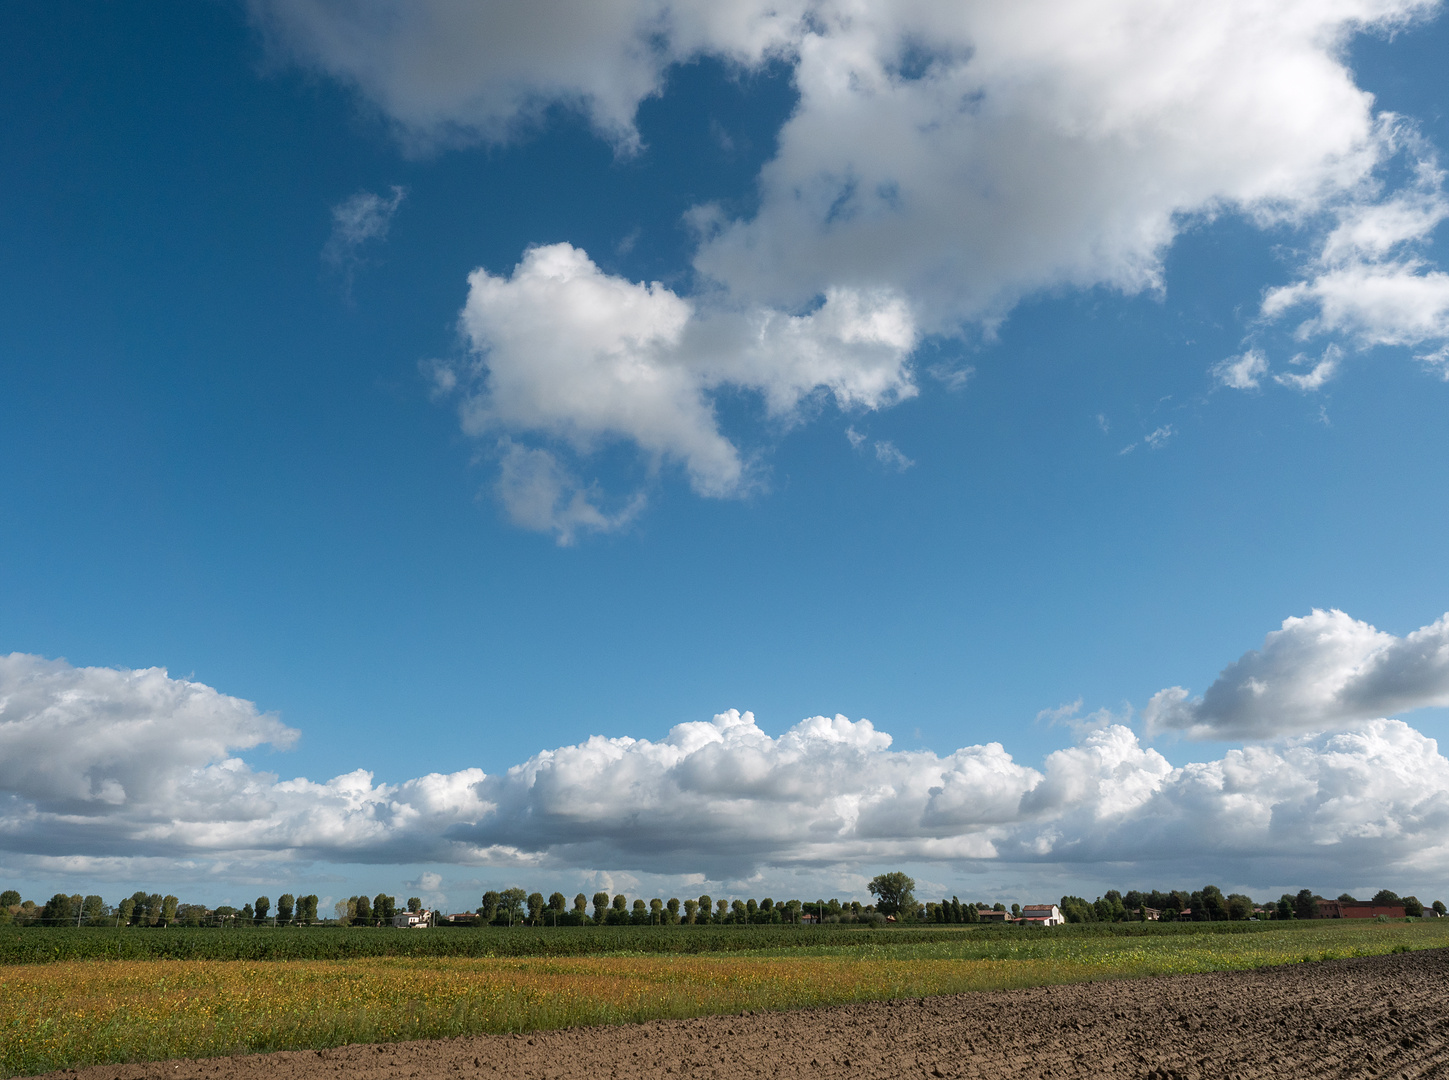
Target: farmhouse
column 985, row 914
column 413, row 920
column 1042, row 915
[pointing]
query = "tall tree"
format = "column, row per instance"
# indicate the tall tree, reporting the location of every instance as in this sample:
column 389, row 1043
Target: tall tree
column 706, row 908
column 415, row 904
column 57, row 911
column 190, row 914
column 168, row 910
column 259, row 913
column 141, row 907
column 384, row 907
column 601, row 907
column 94, row 910
column 286, row 905
column 619, row 911
column 510, row 904
column 1305, row 905
column 489, row 908
column 893, row 893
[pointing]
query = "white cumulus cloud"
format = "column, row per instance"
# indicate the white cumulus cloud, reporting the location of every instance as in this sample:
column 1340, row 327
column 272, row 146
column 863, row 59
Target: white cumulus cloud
column 943, row 161
column 1323, row 671
column 561, row 348
column 457, row 71
column 539, row 492
column 106, row 770
column 84, row 741
column 1369, row 283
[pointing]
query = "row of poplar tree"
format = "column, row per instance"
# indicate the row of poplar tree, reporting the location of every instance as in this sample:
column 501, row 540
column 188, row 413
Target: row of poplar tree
column 515, row 907
column 1208, row 904
column 152, row 909
column 379, row 911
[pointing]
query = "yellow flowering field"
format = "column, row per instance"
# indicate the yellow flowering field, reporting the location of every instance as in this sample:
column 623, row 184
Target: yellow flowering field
column 83, row 1012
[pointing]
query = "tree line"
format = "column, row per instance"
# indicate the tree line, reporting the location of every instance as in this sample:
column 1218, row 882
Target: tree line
column 518, row 907
column 1208, row 904
column 894, row 901
column 153, row 909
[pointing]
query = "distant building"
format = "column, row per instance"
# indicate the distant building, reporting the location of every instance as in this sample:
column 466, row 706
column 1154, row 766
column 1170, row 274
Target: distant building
column 1358, row 909
column 987, row 915
column 1042, row 915
column 413, row 920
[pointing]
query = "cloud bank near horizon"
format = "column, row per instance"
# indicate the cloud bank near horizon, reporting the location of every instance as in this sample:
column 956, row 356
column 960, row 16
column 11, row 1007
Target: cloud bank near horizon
column 1325, row 670
column 103, row 768
column 944, row 162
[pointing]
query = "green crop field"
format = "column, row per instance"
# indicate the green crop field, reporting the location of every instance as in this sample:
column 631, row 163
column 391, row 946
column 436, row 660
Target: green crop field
column 39, row 945
column 76, row 997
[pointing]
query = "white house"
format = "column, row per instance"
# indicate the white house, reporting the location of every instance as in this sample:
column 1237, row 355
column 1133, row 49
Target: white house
column 413, row 920
column 1042, row 915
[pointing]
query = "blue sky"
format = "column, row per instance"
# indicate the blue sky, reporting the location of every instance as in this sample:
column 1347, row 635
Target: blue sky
column 757, row 403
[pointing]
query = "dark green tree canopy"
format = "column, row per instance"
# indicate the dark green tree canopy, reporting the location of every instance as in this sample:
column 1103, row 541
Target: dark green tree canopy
column 894, row 892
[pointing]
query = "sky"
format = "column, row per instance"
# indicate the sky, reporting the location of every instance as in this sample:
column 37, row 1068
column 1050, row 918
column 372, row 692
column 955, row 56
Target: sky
column 676, row 447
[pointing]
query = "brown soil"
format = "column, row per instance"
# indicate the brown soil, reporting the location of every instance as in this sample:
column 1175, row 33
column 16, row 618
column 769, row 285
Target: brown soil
column 1385, row 1016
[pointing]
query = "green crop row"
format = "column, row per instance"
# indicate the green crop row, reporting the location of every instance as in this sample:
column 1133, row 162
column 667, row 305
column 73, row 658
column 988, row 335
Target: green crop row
column 36, row 945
